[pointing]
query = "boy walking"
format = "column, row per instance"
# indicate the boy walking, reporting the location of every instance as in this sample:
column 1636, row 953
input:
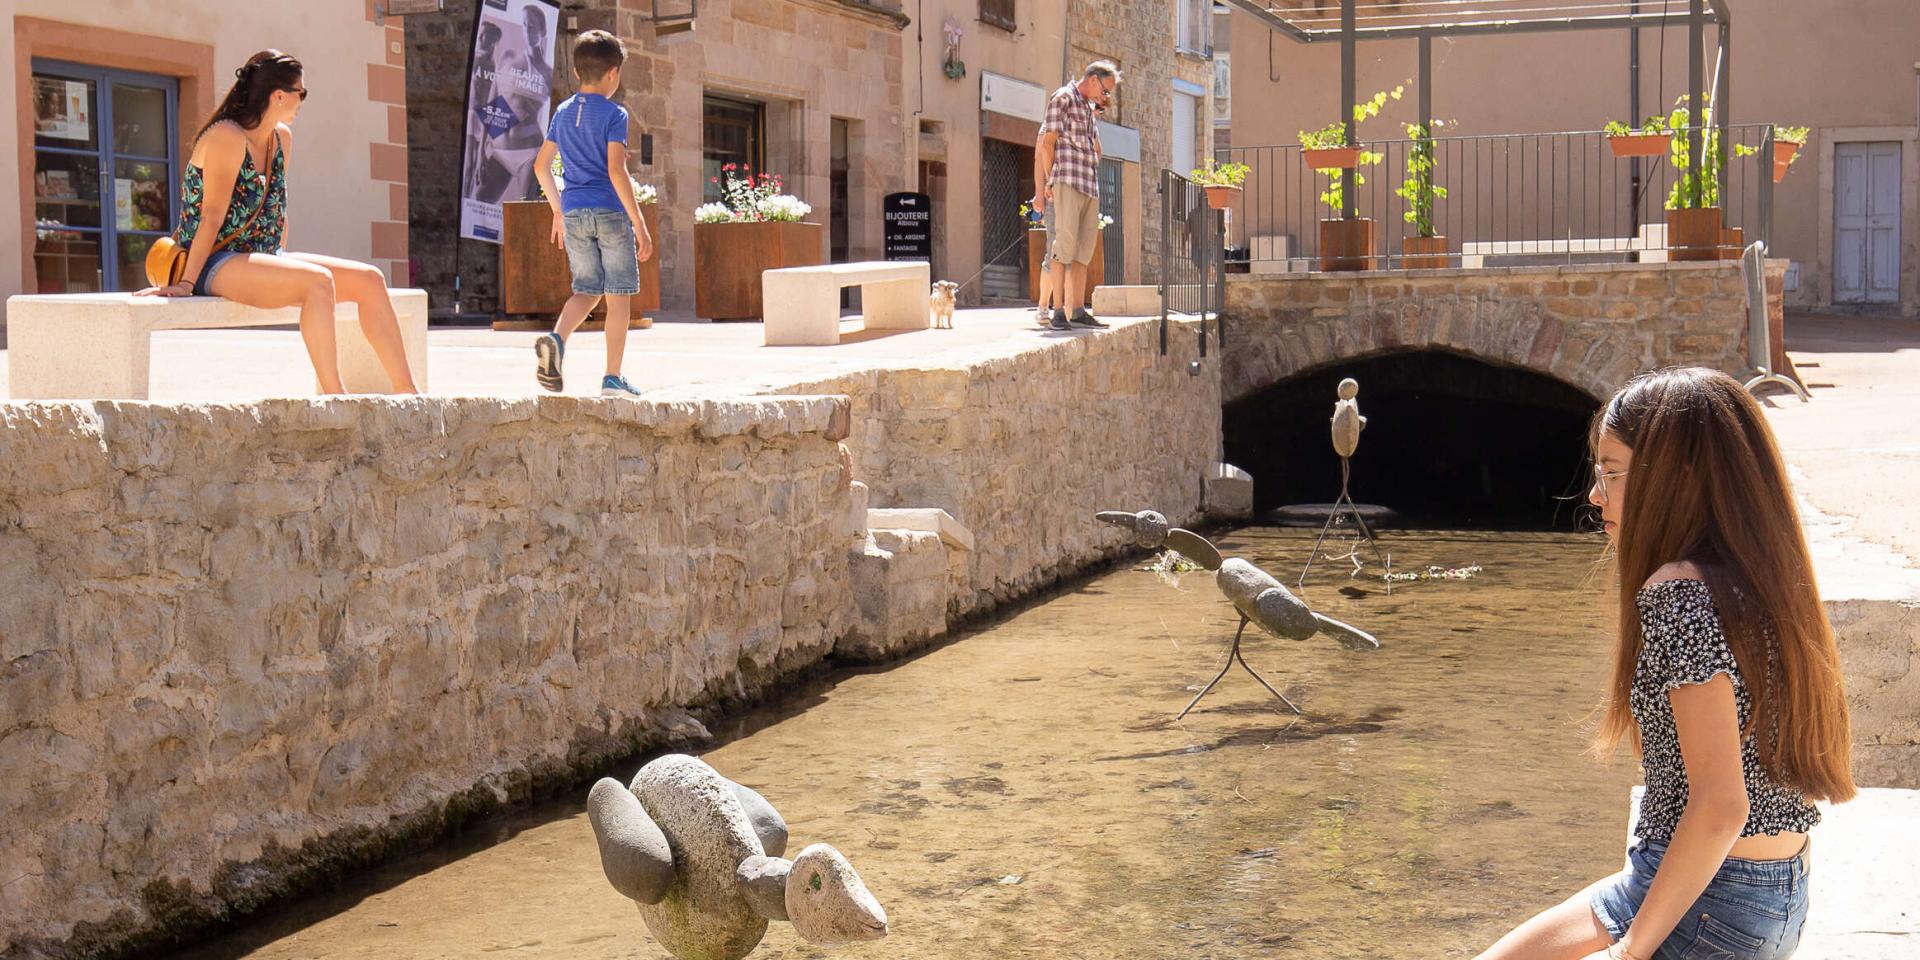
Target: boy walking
column 595, row 218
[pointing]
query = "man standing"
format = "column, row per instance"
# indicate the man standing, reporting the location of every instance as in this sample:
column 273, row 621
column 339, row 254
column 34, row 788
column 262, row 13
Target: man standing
column 1067, row 169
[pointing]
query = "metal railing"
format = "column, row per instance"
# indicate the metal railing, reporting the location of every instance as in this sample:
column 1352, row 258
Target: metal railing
column 1510, row 199
column 1192, row 268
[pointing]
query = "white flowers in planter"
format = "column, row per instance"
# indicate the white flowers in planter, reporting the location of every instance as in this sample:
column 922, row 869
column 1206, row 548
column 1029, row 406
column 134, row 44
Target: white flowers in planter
column 785, row 208
column 712, row 213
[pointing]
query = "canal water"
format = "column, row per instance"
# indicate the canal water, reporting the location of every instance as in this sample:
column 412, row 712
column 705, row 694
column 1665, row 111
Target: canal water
column 1024, row 792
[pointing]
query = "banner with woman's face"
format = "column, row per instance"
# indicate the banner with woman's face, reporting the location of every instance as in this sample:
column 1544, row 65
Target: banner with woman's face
column 509, row 96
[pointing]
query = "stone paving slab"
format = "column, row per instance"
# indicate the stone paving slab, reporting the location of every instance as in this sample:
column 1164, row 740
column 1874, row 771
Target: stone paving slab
column 677, row 356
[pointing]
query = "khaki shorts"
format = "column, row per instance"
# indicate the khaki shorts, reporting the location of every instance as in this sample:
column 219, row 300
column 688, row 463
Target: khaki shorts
column 1076, row 225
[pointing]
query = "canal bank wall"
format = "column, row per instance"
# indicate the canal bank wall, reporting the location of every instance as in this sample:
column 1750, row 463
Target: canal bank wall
column 246, row 647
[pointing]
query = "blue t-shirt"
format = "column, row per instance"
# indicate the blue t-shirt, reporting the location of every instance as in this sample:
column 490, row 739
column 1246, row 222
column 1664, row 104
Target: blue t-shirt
column 582, row 128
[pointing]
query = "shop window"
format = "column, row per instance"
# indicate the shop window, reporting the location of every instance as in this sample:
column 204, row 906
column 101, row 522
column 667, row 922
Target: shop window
column 105, row 169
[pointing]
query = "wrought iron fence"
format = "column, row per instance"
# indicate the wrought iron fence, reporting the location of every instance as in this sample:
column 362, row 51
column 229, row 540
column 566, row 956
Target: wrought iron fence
column 1192, row 267
column 1500, row 200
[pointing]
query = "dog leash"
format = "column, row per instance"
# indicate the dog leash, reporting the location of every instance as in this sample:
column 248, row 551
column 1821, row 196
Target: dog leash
column 990, row 262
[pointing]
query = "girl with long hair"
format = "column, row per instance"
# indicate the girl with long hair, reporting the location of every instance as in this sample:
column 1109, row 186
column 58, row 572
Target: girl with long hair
column 1726, row 680
column 236, row 180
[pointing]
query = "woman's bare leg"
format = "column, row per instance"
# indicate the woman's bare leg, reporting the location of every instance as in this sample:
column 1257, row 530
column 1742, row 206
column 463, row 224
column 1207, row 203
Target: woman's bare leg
column 271, row 282
column 1567, row 931
column 365, row 285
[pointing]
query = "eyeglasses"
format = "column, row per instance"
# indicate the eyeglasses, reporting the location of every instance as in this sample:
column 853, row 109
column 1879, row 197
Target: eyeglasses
column 301, row 91
column 1601, row 478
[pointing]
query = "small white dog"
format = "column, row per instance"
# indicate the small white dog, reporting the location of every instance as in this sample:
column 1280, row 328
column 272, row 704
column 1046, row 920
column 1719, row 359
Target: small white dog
column 941, row 301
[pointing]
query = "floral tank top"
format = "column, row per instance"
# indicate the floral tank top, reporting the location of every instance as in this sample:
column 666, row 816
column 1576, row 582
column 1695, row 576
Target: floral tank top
column 251, row 191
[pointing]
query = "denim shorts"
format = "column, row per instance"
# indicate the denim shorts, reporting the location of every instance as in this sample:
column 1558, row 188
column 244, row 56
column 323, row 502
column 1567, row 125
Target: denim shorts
column 1751, row 910
column 603, row 253
column 215, row 261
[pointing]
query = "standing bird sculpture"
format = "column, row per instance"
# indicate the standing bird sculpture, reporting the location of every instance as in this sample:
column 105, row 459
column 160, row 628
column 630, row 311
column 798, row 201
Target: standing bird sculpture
column 1259, row 597
column 1347, row 424
column 701, row 855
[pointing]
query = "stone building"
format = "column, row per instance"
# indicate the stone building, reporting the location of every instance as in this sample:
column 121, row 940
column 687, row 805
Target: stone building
column 87, row 205
column 850, row 100
column 807, row 89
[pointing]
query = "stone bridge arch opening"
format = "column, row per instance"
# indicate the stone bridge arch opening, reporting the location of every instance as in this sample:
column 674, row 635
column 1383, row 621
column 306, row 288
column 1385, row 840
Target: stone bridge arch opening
column 1451, row 441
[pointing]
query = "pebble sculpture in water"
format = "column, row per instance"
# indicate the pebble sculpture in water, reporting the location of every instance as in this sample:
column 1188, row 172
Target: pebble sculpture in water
column 1347, row 424
column 1260, row 598
column 701, row 855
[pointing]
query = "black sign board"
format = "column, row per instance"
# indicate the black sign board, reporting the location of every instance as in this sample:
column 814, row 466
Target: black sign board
column 909, row 227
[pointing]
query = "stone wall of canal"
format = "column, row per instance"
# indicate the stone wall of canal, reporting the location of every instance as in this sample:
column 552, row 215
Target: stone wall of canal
column 245, row 647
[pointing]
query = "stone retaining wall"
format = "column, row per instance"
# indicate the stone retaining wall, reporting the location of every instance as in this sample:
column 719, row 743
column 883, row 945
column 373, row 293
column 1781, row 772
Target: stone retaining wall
column 1591, row 325
column 242, row 644
column 1022, row 447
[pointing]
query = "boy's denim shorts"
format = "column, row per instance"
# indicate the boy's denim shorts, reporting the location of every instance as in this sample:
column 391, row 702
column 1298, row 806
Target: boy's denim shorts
column 1751, row 910
column 603, row 253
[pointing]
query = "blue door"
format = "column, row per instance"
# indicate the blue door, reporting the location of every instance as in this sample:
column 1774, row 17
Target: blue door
column 106, row 147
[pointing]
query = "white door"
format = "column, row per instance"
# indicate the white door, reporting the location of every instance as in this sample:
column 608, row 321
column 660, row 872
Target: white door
column 1186, row 114
column 1866, row 228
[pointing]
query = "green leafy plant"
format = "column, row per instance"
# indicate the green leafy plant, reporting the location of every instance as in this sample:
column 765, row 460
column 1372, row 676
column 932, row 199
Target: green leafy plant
column 1790, row 134
column 1334, row 135
column 1419, row 190
column 1695, row 191
column 1216, row 174
column 1652, row 127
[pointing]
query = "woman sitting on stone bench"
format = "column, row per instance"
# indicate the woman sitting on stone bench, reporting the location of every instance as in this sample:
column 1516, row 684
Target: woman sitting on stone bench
column 244, row 144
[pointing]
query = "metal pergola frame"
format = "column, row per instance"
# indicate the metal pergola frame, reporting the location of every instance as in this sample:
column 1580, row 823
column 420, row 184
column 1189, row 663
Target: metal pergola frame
column 1424, row 20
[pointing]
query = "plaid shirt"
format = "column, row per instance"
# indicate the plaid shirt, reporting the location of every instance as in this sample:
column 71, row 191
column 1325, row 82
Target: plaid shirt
column 1076, row 155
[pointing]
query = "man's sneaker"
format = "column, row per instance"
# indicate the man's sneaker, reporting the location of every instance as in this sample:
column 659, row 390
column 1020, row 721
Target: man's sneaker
column 548, row 352
column 1081, row 318
column 617, row 386
column 1059, row 321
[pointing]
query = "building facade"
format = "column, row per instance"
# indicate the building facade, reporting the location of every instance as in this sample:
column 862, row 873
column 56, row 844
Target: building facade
column 1848, row 213
column 108, row 97
column 849, row 101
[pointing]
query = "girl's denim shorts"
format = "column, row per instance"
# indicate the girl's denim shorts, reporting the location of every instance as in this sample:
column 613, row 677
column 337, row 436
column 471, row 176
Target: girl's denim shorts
column 1752, row 909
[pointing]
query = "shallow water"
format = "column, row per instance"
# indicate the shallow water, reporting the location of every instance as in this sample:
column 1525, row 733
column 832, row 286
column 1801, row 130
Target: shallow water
column 1023, row 792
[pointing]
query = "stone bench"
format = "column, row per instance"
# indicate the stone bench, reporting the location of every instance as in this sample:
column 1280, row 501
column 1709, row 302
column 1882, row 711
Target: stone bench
column 1650, row 243
column 97, row 346
column 802, row 304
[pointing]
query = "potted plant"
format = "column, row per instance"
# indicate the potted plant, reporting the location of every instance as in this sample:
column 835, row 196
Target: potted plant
column 1222, row 182
column 534, row 276
column 1693, row 204
column 755, row 228
column 1346, row 243
column 1787, row 142
column 1037, row 252
column 1650, row 139
column 1425, row 250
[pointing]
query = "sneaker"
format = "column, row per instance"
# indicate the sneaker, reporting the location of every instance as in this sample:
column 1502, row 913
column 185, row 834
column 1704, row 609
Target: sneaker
column 1059, row 321
column 617, row 386
column 1081, row 318
column 549, row 351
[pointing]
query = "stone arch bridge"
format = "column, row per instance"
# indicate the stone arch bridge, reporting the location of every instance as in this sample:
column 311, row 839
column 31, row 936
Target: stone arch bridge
column 1591, row 326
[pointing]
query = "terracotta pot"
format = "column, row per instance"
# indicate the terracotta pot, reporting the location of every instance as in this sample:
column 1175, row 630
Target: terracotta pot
column 1693, row 234
column 1783, row 151
column 1331, row 158
column 1640, row 145
column 1732, row 243
column 534, row 276
column 1424, row 253
column 1222, row 198
column 1037, row 254
column 728, row 259
column 1346, row 244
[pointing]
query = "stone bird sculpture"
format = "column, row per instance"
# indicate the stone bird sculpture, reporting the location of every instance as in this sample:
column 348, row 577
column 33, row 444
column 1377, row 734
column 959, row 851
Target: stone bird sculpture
column 1347, row 421
column 701, row 855
column 1347, row 424
column 1259, row 598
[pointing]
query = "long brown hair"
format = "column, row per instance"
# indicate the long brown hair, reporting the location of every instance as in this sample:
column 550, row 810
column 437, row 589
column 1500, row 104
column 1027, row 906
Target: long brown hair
column 253, row 86
column 1708, row 486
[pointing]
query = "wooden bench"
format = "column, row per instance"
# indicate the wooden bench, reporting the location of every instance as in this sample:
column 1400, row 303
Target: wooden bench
column 96, row 346
column 802, row 304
